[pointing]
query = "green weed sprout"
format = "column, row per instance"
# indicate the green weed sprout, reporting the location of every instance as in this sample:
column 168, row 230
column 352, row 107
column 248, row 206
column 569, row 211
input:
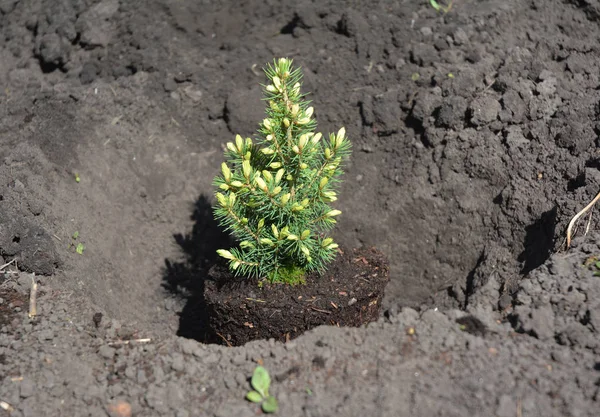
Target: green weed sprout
column 79, row 248
column 439, row 7
column 260, row 382
column 274, row 194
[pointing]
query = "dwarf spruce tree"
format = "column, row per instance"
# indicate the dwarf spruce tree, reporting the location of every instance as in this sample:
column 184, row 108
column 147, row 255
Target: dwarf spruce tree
column 275, row 192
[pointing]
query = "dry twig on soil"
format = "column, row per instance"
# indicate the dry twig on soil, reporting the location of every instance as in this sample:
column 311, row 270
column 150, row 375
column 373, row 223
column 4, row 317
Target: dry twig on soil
column 127, row 342
column 225, row 340
column 7, row 265
column 33, row 297
column 577, row 216
column 6, row 406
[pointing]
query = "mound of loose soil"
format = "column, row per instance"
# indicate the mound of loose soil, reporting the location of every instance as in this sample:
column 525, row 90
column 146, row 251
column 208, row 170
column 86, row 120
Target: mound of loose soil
column 475, row 136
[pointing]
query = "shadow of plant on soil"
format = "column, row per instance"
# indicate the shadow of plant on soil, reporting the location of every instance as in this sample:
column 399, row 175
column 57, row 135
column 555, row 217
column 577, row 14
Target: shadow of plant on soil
column 185, row 278
column 539, row 241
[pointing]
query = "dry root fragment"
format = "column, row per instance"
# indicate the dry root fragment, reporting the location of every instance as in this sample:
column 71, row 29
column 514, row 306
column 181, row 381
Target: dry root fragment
column 577, row 216
column 127, row 342
column 120, row 409
column 33, row 298
column 6, row 406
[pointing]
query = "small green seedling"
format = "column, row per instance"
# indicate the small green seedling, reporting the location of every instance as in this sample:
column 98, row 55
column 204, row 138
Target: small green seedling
column 260, row 382
column 77, row 179
column 79, row 248
column 440, row 8
column 593, row 264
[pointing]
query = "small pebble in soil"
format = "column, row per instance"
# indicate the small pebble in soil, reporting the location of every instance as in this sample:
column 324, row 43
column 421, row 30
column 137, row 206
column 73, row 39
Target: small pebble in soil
column 484, row 110
column 426, row 31
column 106, row 352
column 504, row 302
column 178, row 362
column 169, row 84
column 119, row 409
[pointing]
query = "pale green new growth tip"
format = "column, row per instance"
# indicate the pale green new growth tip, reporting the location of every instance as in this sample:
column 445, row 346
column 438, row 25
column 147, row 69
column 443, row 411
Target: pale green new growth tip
column 441, row 7
column 274, row 192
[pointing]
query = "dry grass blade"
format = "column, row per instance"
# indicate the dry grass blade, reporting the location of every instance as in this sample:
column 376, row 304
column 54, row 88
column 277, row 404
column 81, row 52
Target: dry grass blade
column 33, row 298
column 127, row 342
column 577, row 216
column 6, row 406
column 7, row 264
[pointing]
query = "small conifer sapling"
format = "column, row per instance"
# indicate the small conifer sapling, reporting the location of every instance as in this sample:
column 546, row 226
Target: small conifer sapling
column 275, row 192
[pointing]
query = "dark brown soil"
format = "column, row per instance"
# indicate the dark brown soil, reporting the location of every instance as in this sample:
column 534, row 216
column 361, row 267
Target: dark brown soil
column 349, row 293
column 475, row 138
column 11, row 304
